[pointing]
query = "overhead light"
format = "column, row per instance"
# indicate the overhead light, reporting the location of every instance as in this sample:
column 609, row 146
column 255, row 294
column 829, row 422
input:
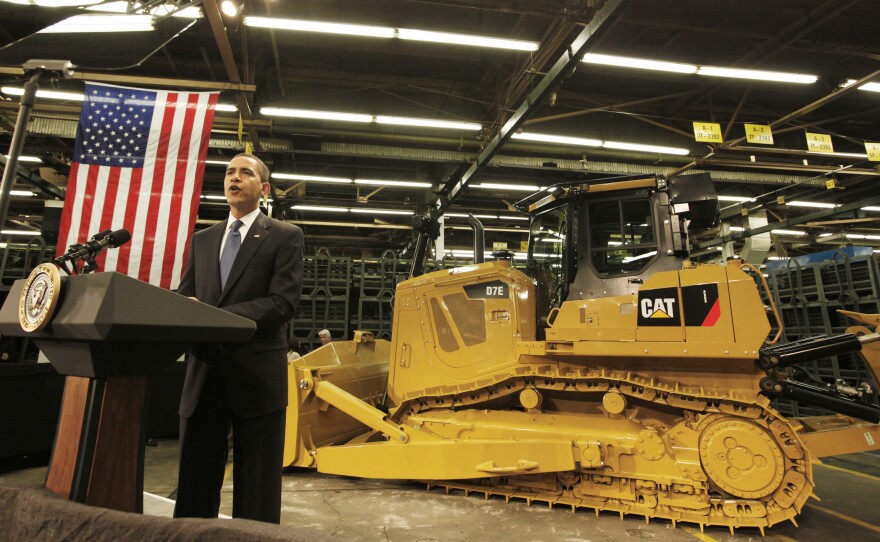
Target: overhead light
column 55, row 3
column 362, row 118
column 101, row 23
column 565, row 140
column 713, row 71
column 460, row 215
column 50, row 94
column 377, row 182
column 640, row 63
column 381, row 211
column 229, row 8
column 321, row 27
column 826, row 234
column 19, row 232
column 517, row 187
column 873, row 237
column 735, row 198
column 737, row 228
column 856, row 236
column 25, row 158
column 870, row 208
column 816, row 204
column 23, row 193
column 427, row 123
column 871, row 87
column 788, row 232
column 321, row 209
column 465, row 39
column 217, row 162
column 757, row 75
column 587, row 142
column 389, row 32
column 312, row 178
column 509, row 217
column 645, row 148
column 228, row 108
column 778, row 258
column 309, row 114
column 843, row 154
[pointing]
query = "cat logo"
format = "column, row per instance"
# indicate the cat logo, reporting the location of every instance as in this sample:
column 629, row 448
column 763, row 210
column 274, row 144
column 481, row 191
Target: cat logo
column 658, row 308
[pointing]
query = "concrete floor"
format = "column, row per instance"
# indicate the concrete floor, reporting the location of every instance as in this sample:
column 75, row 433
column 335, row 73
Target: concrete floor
column 381, row 510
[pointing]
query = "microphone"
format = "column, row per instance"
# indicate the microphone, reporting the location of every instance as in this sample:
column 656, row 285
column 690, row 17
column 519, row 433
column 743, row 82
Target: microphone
column 98, row 242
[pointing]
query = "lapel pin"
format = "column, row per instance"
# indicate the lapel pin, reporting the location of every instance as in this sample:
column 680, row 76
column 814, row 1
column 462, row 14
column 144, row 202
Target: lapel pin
column 256, row 235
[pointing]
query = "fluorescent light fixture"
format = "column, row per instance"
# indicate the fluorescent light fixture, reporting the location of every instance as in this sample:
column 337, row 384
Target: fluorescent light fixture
column 465, row 39
column 362, row 118
column 228, row 108
column 640, row 63
column 871, row 208
column 310, row 114
column 229, row 8
column 312, row 178
column 713, row 71
column 318, row 26
column 777, row 258
column 871, row 87
column 213, row 196
column 735, row 198
column 788, row 232
column 389, row 32
column 587, row 142
column 844, row 154
column 217, row 162
column 645, row 148
column 565, row 140
column 25, row 158
column 321, row 209
column 23, row 193
column 461, row 215
column 517, row 187
column 737, row 228
column 19, row 232
column 101, row 23
column 378, row 182
column 826, row 234
column 50, row 94
column 381, row 211
column 816, row 204
column 757, row 75
column 873, row 237
column 510, row 217
column 427, row 123
column 856, row 236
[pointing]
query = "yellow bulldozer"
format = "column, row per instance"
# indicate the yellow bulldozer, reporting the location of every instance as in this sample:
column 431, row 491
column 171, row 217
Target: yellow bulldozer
column 612, row 374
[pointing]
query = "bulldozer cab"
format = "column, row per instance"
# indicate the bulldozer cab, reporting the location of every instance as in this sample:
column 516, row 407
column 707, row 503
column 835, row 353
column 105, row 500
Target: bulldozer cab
column 602, row 238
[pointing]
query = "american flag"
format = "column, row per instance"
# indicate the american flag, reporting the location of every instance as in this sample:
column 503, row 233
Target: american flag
column 138, row 164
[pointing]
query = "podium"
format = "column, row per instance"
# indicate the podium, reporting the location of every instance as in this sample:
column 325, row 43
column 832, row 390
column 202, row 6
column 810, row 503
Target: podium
column 109, row 334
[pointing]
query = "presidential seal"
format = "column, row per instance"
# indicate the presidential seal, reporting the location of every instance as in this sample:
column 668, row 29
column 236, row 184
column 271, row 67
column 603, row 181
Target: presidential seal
column 39, row 297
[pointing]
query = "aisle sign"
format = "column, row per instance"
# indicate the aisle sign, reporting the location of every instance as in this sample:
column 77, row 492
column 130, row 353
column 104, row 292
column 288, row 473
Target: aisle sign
column 759, row 133
column 708, row 132
column 873, row 150
column 819, row 143
column 524, row 246
column 499, row 245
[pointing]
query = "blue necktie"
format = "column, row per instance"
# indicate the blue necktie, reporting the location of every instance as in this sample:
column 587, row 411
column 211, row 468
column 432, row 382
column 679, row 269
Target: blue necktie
column 230, row 249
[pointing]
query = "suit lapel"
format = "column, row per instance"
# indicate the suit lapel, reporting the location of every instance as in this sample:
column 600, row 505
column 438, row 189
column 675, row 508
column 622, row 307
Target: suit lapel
column 256, row 234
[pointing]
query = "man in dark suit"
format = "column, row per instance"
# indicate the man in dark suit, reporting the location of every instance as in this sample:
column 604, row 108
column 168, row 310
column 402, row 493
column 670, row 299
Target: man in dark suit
column 250, row 265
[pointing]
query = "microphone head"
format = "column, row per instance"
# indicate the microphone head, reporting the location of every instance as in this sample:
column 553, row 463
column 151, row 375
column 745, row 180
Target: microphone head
column 119, row 238
column 100, row 235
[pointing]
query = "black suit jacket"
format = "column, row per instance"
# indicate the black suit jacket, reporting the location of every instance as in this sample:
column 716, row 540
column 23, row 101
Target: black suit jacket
column 264, row 285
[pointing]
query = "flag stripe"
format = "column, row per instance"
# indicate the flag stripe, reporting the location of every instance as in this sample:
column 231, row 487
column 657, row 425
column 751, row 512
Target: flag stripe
column 138, row 164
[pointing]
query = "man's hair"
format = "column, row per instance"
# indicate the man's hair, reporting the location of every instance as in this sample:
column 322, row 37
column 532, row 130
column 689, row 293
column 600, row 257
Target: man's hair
column 324, row 333
column 262, row 168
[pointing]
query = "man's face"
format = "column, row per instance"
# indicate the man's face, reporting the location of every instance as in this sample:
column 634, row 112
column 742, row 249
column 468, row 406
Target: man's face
column 324, row 339
column 243, row 186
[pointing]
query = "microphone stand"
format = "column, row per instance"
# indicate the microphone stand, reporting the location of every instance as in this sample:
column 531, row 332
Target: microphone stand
column 89, row 265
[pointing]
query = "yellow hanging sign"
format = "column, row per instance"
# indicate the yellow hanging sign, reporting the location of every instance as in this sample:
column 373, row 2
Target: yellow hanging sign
column 759, row 133
column 708, row 132
column 523, row 246
column 819, row 143
column 830, row 183
column 873, row 150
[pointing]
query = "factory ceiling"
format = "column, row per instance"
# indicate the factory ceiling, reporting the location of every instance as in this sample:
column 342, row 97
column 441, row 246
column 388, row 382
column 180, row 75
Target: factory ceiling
column 595, row 120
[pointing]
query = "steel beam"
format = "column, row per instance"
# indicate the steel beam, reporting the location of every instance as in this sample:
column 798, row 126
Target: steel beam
column 150, row 81
column 600, row 24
